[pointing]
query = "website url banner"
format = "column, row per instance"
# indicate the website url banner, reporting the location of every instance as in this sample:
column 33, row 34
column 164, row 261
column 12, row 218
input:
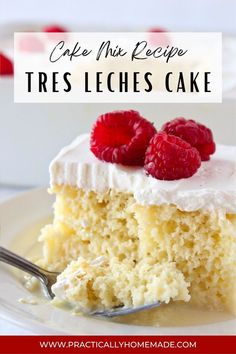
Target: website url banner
column 118, row 344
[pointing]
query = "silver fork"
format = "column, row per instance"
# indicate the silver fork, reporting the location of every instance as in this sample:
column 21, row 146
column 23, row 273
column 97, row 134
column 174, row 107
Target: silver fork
column 49, row 278
column 44, row 276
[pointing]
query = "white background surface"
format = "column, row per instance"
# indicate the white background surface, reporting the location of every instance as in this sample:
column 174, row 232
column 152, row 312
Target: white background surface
column 204, row 15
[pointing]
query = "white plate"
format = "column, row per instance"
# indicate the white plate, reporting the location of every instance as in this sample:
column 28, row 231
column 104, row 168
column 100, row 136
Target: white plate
column 18, row 217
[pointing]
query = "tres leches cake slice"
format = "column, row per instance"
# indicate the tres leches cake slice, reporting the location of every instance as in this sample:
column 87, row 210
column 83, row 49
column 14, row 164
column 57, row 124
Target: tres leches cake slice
column 142, row 216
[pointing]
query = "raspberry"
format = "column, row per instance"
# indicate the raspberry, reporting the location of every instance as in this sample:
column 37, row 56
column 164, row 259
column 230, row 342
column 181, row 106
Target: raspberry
column 157, row 30
column 54, row 29
column 31, row 43
column 6, row 65
column 168, row 157
column 196, row 134
column 121, row 137
column 158, row 37
column 56, row 33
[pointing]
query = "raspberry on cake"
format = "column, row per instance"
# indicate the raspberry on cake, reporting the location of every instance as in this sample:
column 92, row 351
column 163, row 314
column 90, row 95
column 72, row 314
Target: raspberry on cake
column 121, row 137
column 122, row 237
column 169, row 158
column 196, row 134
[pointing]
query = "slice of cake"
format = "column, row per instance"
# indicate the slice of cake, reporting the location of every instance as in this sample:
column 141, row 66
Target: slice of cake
column 123, row 237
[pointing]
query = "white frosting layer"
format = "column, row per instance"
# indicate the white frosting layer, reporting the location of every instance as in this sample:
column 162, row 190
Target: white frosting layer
column 212, row 187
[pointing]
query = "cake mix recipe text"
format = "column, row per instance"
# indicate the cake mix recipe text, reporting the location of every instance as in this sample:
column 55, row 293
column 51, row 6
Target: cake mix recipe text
column 106, row 50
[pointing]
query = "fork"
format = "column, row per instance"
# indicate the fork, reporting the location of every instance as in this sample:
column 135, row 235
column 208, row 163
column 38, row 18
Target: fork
column 49, row 278
column 44, row 276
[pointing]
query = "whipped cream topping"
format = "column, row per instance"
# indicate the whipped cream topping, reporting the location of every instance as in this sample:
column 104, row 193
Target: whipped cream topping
column 213, row 187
